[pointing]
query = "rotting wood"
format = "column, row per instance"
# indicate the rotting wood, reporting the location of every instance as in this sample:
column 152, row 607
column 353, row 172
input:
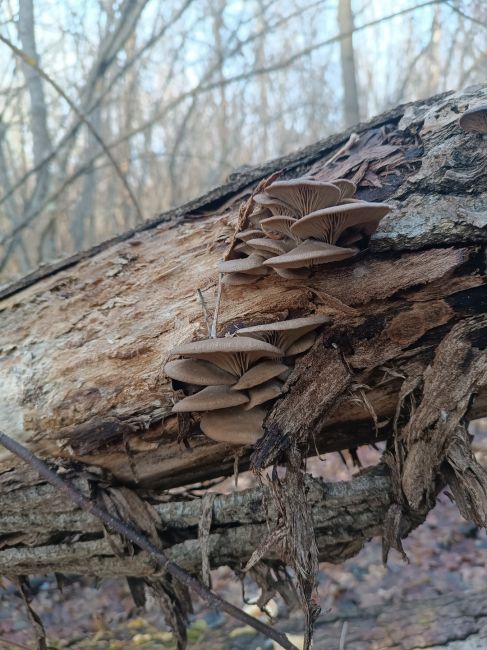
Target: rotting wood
column 83, row 345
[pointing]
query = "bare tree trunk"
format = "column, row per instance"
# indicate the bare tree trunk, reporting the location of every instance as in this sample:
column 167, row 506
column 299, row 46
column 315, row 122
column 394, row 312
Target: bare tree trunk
column 349, row 78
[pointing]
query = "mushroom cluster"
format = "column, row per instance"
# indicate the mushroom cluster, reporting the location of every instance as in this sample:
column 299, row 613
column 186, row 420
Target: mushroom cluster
column 229, row 379
column 298, row 224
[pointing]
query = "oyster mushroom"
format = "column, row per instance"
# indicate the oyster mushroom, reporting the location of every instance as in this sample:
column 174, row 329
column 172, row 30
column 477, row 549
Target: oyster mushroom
column 260, row 373
column 280, row 224
column 210, row 399
column 234, row 425
column 310, row 253
column 265, row 245
column 284, row 334
column 327, row 225
column 250, row 265
column 263, row 393
column 235, row 355
column 475, row 119
column 347, row 188
column 200, row 373
column 304, row 195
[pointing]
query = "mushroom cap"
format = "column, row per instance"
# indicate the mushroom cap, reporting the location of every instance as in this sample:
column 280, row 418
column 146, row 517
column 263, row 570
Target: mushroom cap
column 267, row 245
column 279, row 224
column 260, row 373
column 209, row 399
column 304, row 195
column 475, row 119
column 284, row 333
column 301, row 345
column 200, row 373
column 347, row 188
column 249, row 233
column 310, row 253
column 234, row 425
column 327, row 225
column 233, row 354
column 259, row 214
column 275, row 206
column 263, row 393
column 249, row 264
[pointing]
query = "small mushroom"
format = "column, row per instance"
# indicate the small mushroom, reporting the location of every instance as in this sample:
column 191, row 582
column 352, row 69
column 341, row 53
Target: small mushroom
column 308, row 254
column 251, row 264
column 304, row 195
column 347, row 188
column 200, row 373
column 278, row 224
column 284, row 333
column 475, row 119
column 274, row 206
column 260, row 373
column 233, row 354
column 327, row 225
column 301, row 345
column 209, row 399
column 234, row 425
column 263, row 393
column 250, row 233
column 266, row 245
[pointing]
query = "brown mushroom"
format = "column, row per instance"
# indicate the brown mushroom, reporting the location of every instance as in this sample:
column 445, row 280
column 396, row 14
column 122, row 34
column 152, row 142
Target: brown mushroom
column 327, row 225
column 249, row 233
column 308, row 254
column 233, row 354
column 263, row 393
column 200, row 373
column 304, row 195
column 274, row 206
column 251, row 264
column 260, row 373
column 475, row 119
column 347, row 188
column 209, row 399
column 234, row 425
column 284, row 333
column 280, row 224
column 273, row 246
column 301, row 345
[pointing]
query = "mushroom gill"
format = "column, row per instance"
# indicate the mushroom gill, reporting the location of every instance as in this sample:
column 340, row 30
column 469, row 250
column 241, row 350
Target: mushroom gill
column 304, row 195
column 328, row 224
column 310, row 253
column 233, row 354
column 284, row 334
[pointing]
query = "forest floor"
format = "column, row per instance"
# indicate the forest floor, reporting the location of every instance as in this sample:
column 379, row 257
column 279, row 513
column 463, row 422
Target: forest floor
column 447, row 556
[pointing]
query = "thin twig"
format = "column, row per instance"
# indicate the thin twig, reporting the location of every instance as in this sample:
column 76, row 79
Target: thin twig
column 205, row 311
column 217, row 307
column 136, row 537
column 30, row 62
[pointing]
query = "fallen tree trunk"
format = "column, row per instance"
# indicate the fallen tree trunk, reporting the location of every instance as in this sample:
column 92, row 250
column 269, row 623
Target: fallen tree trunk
column 83, row 342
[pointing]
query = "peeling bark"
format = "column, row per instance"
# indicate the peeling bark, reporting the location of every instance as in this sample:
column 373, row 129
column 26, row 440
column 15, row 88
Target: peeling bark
column 83, row 343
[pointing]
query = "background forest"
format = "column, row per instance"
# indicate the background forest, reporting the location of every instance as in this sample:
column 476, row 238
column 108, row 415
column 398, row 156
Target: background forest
column 184, row 92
